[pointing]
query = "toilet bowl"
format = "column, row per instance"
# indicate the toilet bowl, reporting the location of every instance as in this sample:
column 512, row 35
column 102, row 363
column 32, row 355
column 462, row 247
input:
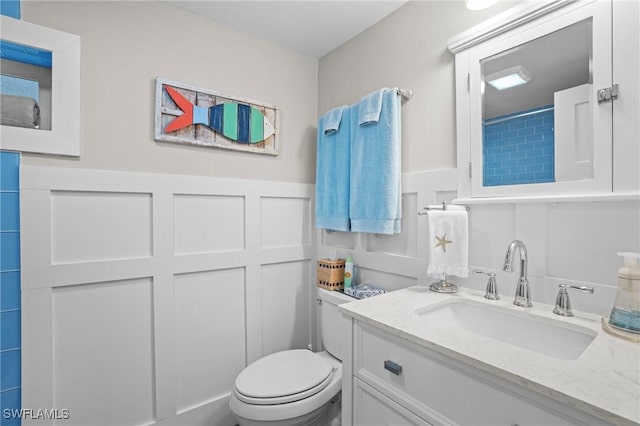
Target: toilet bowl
column 294, row 387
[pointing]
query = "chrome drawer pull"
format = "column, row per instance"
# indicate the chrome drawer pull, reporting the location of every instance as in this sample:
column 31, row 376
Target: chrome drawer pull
column 393, row 367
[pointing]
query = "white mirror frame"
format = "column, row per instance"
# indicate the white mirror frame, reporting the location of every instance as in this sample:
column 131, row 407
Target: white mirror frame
column 497, row 35
column 64, row 136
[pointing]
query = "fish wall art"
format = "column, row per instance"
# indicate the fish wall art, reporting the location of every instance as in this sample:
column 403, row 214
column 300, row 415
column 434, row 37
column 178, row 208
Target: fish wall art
column 192, row 115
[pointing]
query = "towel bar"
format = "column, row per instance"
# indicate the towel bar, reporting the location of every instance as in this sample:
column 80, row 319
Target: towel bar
column 425, row 210
column 405, row 93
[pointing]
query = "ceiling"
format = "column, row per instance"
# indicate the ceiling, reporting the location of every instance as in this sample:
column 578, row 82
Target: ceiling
column 557, row 61
column 310, row 27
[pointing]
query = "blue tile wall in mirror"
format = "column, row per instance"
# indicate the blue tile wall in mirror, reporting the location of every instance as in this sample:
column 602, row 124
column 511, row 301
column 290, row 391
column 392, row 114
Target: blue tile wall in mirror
column 518, row 148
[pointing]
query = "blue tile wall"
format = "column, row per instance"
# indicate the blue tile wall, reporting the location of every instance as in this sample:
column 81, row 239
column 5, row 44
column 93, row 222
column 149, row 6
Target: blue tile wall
column 10, row 328
column 519, row 150
column 10, row 8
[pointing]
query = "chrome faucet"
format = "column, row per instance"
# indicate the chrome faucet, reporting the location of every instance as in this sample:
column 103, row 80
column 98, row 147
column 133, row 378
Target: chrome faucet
column 563, row 305
column 523, row 295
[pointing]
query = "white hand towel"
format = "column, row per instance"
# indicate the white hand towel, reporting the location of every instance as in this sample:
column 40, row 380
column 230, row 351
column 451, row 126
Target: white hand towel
column 448, row 242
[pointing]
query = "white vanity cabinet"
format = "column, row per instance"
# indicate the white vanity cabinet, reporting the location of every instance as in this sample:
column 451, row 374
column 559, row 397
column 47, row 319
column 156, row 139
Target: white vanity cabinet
column 422, row 387
column 372, row 408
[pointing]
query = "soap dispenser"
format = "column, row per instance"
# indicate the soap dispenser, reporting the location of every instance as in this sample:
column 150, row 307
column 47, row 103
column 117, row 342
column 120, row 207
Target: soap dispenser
column 624, row 320
column 348, row 271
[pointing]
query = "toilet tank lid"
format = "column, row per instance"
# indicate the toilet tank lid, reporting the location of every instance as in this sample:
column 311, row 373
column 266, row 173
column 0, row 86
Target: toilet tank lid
column 283, row 373
column 335, row 297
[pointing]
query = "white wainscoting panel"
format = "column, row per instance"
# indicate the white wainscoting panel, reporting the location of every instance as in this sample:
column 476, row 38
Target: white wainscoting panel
column 285, row 221
column 286, row 302
column 404, row 243
column 143, row 296
column 208, row 223
column 209, row 319
column 594, row 236
column 338, row 239
column 103, row 351
column 489, row 228
column 118, row 223
column 567, row 242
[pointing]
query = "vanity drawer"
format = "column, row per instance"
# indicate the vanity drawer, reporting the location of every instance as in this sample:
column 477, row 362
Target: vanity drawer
column 375, row 409
column 442, row 391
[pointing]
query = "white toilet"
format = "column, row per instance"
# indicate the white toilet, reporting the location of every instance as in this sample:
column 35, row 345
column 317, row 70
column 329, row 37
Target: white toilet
column 294, row 387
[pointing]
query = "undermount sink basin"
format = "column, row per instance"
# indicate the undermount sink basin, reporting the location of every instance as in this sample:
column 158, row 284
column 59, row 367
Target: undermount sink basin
column 546, row 336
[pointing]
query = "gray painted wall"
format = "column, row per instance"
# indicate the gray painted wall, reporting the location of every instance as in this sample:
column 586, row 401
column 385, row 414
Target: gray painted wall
column 407, row 49
column 126, row 45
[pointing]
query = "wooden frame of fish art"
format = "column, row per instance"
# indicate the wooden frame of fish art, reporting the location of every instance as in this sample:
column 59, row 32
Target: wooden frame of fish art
column 192, row 115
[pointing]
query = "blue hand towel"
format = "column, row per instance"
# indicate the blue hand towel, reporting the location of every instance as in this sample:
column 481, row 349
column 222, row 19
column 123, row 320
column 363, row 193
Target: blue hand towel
column 332, row 174
column 331, row 120
column 376, row 187
column 369, row 107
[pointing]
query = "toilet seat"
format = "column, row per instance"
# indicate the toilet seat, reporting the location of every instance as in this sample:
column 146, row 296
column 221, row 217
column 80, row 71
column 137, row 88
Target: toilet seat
column 283, row 377
column 300, row 412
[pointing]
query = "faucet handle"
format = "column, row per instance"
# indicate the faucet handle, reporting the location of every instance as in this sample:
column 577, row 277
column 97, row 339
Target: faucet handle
column 563, row 304
column 491, row 292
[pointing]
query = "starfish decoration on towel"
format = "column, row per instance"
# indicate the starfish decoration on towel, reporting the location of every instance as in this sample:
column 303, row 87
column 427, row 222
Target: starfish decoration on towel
column 442, row 242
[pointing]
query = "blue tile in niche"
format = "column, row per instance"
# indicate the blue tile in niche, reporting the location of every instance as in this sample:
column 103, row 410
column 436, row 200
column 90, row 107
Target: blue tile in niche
column 9, row 290
column 9, row 171
column 9, row 330
column 9, row 251
column 10, row 365
column 10, row 400
column 9, row 211
column 10, row 8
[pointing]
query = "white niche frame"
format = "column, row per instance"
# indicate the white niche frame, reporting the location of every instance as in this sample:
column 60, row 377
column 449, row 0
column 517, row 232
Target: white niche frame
column 64, row 136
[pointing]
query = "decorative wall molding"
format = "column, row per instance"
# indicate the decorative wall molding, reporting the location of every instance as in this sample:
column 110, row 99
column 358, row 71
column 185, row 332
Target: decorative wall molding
column 155, row 291
column 503, row 22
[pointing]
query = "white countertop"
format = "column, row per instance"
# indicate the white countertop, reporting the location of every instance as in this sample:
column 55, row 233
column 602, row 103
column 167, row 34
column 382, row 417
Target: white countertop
column 604, row 381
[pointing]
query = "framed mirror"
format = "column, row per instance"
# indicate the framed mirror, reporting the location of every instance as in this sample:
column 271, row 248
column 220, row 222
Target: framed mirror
column 40, row 89
column 534, row 126
column 533, row 95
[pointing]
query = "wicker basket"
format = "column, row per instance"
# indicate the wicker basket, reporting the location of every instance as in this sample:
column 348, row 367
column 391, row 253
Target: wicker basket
column 331, row 274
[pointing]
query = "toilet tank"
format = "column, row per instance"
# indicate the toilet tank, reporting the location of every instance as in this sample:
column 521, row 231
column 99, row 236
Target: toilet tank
column 333, row 324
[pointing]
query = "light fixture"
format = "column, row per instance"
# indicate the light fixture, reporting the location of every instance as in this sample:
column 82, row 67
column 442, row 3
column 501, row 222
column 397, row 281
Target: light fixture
column 510, row 77
column 479, row 4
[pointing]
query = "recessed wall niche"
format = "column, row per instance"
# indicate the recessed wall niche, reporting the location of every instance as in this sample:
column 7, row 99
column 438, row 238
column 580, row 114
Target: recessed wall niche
column 40, row 88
